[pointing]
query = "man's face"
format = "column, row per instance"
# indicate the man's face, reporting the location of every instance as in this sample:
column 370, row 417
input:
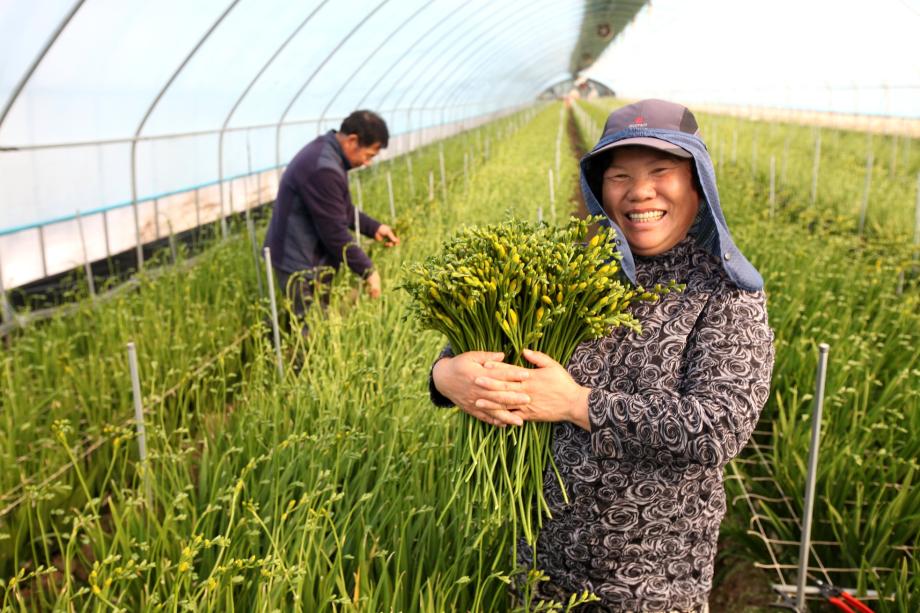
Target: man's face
column 651, row 196
column 356, row 154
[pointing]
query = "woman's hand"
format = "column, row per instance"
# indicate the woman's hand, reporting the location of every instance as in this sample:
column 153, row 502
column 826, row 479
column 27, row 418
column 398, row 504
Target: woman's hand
column 455, row 378
column 552, row 393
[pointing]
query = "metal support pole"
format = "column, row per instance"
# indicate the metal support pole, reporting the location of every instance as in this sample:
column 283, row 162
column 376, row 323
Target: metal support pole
column 156, row 218
column 864, row 206
column 409, row 169
column 251, row 229
column 772, row 185
column 358, row 210
column 805, row 544
column 41, row 245
column 540, row 214
column 6, row 309
column 105, row 232
column 466, row 172
column 814, row 169
column 754, row 155
column 139, row 421
column 917, row 222
column 894, row 155
column 552, row 196
column 139, row 248
column 392, row 201
column 90, row 282
column 276, row 335
column 430, row 186
column 443, row 174
column 782, row 171
column 173, row 250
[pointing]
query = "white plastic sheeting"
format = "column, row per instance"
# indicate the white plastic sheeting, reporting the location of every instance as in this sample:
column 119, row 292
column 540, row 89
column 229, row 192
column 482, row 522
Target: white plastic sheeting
column 220, row 89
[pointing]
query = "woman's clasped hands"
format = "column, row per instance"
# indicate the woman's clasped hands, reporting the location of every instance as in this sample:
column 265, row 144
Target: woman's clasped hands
column 503, row 394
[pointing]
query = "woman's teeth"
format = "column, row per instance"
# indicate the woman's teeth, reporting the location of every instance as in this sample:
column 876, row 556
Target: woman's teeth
column 645, row 216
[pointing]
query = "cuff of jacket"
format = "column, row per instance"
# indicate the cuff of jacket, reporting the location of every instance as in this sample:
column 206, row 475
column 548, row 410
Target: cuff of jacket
column 437, row 398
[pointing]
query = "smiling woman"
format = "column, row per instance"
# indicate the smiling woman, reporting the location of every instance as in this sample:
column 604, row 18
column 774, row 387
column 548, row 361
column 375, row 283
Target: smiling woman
column 643, row 422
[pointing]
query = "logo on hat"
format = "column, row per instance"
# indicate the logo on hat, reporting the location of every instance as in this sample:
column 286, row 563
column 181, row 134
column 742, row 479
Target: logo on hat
column 639, row 122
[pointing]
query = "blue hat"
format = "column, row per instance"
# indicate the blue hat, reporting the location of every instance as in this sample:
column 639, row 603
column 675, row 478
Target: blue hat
column 669, row 127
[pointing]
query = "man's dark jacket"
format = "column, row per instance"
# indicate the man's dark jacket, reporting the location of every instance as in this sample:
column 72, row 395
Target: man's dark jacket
column 313, row 213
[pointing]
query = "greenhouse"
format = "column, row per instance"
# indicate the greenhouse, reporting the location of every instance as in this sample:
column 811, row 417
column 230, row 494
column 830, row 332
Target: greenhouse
column 459, row 305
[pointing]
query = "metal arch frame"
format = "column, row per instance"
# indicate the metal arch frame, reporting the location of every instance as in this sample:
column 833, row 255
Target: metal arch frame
column 460, row 42
column 472, row 72
column 427, row 56
column 316, row 72
column 488, row 60
column 536, row 60
column 418, row 40
column 345, row 82
column 479, row 35
column 556, row 48
column 242, row 96
column 463, row 30
column 27, row 76
column 464, row 83
column 590, row 11
column 140, row 127
column 469, row 59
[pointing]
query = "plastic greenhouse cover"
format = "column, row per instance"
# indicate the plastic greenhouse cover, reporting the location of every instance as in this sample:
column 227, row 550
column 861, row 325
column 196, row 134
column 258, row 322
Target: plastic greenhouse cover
column 246, row 65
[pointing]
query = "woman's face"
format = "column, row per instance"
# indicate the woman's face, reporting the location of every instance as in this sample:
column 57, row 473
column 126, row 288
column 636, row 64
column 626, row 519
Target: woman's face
column 652, row 197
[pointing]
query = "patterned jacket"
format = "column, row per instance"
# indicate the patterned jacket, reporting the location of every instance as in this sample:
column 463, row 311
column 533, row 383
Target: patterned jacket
column 668, row 409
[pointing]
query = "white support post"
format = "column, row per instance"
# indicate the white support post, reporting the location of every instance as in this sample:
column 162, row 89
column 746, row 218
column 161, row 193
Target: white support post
column 41, row 245
column 6, row 309
column 867, row 186
column 917, row 222
column 894, row 155
column 137, row 236
column 276, row 334
column 410, row 178
column 139, row 422
column 552, row 195
column 772, row 186
column 392, row 201
column 173, row 250
column 87, row 268
column 358, row 210
column 805, row 543
column 815, row 168
column 443, row 174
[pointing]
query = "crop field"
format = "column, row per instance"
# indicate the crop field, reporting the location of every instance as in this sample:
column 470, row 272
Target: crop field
column 330, row 488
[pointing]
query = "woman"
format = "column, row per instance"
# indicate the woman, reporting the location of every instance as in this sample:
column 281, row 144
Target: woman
column 645, row 422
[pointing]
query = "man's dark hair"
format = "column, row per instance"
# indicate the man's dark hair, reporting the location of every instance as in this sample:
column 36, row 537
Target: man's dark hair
column 369, row 126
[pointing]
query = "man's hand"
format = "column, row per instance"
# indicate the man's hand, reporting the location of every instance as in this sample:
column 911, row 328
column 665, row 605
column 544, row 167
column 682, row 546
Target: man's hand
column 372, row 284
column 386, row 235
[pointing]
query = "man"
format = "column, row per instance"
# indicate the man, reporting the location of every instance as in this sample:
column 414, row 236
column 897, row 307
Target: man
column 309, row 230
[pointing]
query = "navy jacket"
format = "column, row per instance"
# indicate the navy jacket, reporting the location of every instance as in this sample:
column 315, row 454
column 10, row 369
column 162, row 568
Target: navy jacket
column 313, row 213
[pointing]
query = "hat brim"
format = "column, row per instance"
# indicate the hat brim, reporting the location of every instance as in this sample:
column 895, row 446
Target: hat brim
column 654, row 143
